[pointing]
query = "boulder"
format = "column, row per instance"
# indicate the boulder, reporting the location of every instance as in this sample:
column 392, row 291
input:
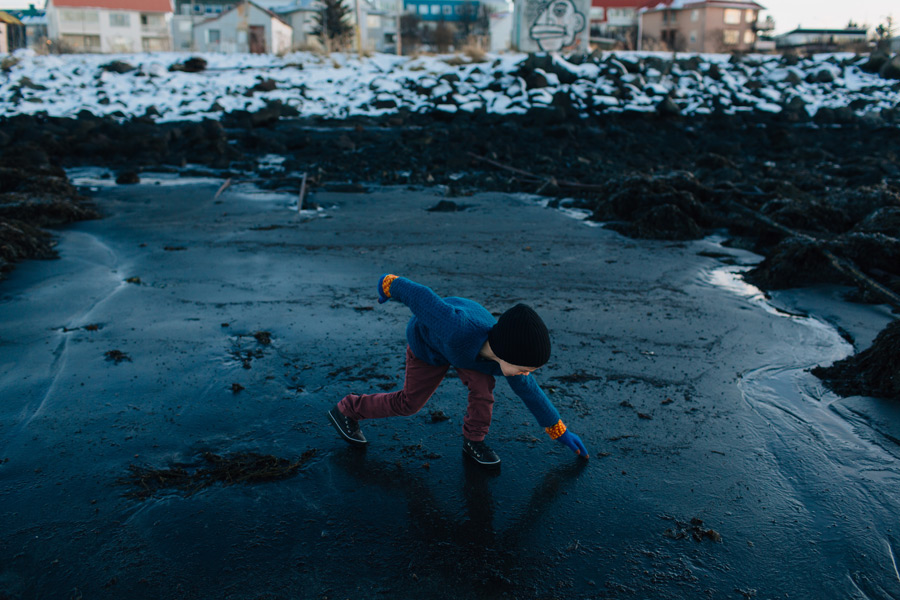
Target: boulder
column 872, row 372
column 118, row 66
column 876, row 61
column 128, row 178
column 195, row 64
column 891, row 68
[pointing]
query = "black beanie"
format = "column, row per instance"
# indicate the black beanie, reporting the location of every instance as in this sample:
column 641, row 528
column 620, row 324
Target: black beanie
column 520, row 337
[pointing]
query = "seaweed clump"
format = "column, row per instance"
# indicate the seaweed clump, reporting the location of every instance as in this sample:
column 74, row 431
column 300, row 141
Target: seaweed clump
column 872, row 372
column 240, row 467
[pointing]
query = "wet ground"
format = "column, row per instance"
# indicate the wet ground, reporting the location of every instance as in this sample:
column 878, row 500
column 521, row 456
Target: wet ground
column 187, row 324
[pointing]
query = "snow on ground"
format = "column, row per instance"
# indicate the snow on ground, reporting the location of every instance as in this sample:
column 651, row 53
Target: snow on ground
column 342, row 85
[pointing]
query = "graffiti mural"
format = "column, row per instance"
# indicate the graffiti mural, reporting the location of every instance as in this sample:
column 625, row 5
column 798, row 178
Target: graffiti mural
column 553, row 25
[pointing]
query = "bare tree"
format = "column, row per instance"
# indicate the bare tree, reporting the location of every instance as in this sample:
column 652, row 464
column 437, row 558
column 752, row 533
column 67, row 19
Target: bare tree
column 410, row 32
column 443, row 36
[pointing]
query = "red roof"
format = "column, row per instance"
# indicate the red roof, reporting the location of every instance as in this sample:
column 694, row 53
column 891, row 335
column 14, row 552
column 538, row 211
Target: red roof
column 162, row 6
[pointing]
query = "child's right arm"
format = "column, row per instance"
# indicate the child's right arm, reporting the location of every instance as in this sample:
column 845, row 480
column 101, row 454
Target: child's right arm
column 428, row 307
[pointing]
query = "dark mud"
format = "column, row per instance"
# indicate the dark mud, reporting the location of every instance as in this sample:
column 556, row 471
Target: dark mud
column 231, row 469
column 801, row 510
column 873, row 372
column 33, row 197
column 832, row 186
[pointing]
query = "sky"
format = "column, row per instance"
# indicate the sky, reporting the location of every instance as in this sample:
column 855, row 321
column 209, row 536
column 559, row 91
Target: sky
column 788, row 14
column 829, row 14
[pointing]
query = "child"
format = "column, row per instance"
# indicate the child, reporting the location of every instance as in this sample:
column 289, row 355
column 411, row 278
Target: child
column 462, row 333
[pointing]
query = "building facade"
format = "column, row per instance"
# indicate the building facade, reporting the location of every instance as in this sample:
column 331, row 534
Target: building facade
column 303, row 17
column 700, row 25
column 615, row 21
column 822, row 40
column 246, row 27
column 110, row 25
column 11, row 29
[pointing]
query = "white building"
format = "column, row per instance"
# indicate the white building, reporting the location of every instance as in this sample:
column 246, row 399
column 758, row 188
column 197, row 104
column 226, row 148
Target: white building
column 301, row 15
column 245, row 28
column 110, row 25
column 821, row 40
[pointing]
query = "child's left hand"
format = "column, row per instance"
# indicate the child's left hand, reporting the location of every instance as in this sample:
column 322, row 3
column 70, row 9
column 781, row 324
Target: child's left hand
column 574, row 443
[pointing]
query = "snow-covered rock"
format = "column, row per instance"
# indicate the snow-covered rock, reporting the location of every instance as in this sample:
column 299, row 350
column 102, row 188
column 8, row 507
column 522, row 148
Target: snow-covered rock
column 341, row 85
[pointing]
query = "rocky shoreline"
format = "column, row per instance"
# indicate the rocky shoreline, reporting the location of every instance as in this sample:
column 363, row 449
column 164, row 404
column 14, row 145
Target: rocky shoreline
column 796, row 191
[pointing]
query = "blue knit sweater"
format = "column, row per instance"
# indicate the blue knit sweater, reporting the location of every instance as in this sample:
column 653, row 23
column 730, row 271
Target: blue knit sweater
column 452, row 331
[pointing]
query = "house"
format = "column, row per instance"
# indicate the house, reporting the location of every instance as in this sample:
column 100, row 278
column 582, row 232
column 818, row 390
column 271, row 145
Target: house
column 699, row 25
column 448, row 11
column 189, row 13
column 247, row 27
column 615, row 22
column 12, row 33
column 809, row 41
column 110, row 25
column 378, row 24
column 35, row 23
column 302, row 16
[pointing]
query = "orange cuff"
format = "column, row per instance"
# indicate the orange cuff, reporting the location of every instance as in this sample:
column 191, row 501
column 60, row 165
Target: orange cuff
column 557, row 430
column 386, row 284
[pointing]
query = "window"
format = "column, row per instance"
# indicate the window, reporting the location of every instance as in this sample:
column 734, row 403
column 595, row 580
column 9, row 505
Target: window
column 448, row 10
column 80, row 16
column 373, row 21
column 152, row 20
column 673, row 14
column 695, row 15
column 597, row 13
column 435, row 9
column 213, row 36
column 732, row 16
column 82, row 42
column 693, row 37
column 423, row 9
column 731, row 37
column 119, row 20
column 748, row 37
column 749, row 15
column 184, row 26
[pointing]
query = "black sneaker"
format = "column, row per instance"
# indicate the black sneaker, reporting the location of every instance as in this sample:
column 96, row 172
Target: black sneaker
column 481, row 453
column 347, row 427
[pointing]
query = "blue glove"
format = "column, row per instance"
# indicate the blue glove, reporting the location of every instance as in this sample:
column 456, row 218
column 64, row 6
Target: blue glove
column 574, row 443
column 384, row 287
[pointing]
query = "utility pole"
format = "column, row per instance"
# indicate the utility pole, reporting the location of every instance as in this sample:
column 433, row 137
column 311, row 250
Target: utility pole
column 358, row 32
column 193, row 12
column 325, row 39
column 399, row 40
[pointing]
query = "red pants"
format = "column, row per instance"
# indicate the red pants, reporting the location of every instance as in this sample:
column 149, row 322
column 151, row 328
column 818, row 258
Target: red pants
column 421, row 381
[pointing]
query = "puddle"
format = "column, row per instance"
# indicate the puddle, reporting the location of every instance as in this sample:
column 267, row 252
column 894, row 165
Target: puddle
column 99, row 177
column 836, row 457
column 579, row 214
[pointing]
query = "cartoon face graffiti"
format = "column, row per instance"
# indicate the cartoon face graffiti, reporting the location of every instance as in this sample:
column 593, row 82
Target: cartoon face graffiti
column 557, row 25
